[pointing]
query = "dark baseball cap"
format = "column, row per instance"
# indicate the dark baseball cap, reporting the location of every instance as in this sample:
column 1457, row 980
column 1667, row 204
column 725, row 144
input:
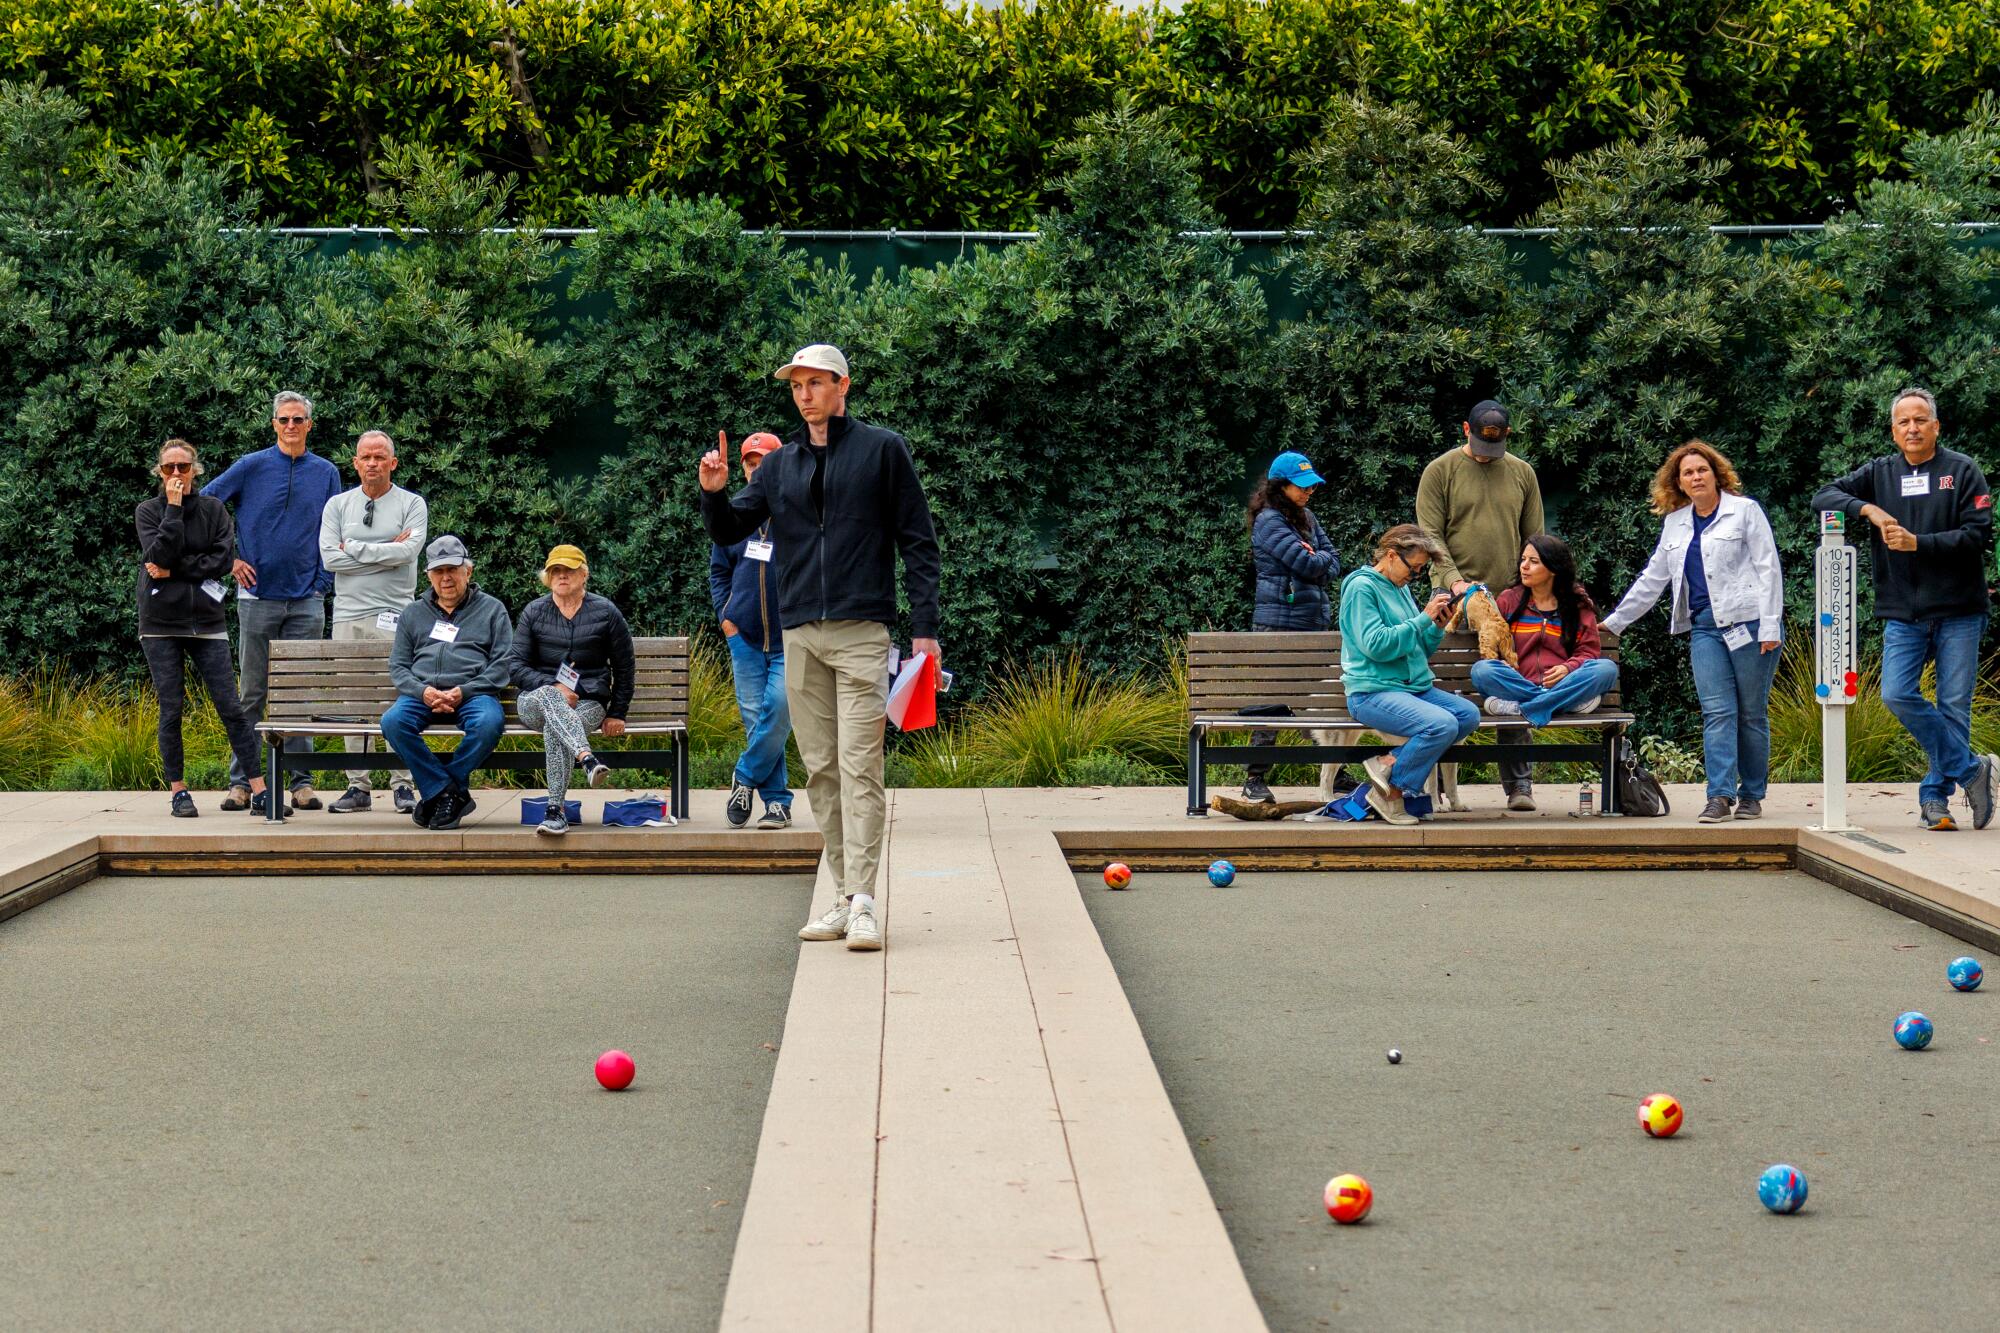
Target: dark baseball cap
column 1490, row 424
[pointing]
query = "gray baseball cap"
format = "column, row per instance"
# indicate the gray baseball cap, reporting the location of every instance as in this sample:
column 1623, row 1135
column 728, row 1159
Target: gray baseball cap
column 445, row 552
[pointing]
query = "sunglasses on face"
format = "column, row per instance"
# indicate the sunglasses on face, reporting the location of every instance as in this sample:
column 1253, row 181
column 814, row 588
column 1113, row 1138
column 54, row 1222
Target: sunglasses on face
column 177, row 467
column 292, row 421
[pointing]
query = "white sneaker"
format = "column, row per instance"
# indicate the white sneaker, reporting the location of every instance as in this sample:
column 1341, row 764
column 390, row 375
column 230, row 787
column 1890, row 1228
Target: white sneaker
column 1377, row 769
column 1588, row 705
column 862, row 931
column 1390, row 807
column 1498, row 707
column 832, row 926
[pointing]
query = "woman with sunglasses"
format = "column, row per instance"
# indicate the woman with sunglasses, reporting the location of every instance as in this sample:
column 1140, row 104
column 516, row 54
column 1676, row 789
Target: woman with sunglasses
column 1385, row 648
column 187, row 544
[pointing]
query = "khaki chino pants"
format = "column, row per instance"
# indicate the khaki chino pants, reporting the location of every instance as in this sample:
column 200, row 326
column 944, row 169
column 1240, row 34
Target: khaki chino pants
column 350, row 630
column 837, row 679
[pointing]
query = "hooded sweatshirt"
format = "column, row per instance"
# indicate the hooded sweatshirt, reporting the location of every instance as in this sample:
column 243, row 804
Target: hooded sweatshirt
column 1386, row 640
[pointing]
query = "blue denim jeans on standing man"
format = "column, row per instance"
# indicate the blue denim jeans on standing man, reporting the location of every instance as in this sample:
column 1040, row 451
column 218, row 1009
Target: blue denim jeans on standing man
column 1734, row 685
column 1944, row 729
column 1433, row 720
column 1591, row 679
column 767, row 719
column 479, row 716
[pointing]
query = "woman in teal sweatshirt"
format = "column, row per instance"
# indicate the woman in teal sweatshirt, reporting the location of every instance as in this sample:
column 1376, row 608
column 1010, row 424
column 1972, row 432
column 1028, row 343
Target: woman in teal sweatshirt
column 1385, row 648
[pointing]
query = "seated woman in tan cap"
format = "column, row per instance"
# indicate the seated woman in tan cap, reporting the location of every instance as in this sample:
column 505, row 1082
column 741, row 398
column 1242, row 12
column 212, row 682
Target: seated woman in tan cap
column 572, row 663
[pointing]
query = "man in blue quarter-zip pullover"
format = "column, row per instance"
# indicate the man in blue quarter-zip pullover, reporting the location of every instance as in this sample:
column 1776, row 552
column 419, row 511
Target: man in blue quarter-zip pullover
column 741, row 585
column 278, row 494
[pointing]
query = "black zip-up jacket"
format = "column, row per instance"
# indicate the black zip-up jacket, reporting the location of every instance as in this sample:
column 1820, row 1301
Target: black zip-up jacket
column 196, row 540
column 598, row 643
column 1953, row 523
column 839, row 564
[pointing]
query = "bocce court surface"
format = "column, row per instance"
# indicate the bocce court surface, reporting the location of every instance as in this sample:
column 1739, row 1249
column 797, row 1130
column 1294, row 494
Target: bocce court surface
column 337, row 1073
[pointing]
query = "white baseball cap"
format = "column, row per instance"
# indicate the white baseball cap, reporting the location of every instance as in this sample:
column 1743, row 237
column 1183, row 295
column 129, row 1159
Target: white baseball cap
column 819, row 356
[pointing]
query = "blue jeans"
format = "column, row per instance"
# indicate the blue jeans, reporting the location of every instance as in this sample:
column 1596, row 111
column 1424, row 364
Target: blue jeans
column 1433, row 720
column 1735, row 691
column 1495, row 679
column 767, row 719
column 1944, row 729
column 258, row 621
column 480, row 717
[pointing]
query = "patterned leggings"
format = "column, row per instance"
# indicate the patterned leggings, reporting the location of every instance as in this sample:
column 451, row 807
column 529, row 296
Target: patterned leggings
column 565, row 730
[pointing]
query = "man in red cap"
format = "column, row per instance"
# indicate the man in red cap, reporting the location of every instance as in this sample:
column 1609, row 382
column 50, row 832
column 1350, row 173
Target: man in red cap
column 745, row 596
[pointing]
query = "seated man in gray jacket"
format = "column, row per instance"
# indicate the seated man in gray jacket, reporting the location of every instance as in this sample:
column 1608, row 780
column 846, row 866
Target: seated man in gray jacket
column 449, row 665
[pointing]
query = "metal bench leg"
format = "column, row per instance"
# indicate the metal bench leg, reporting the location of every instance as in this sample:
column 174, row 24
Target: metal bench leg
column 1197, row 796
column 274, row 781
column 1608, row 798
column 681, row 775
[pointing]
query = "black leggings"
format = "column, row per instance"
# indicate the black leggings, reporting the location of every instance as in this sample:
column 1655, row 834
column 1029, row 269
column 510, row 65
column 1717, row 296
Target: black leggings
column 211, row 659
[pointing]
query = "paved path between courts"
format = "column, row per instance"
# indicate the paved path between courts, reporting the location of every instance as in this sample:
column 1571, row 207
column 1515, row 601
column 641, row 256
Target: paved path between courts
column 967, row 1130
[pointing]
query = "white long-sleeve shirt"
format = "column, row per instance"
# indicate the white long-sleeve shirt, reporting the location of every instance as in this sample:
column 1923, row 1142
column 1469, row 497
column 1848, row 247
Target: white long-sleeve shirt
column 1739, row 558
column 372, row 572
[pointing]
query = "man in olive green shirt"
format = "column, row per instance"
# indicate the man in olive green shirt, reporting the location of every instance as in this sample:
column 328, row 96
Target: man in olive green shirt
column 1482, row 504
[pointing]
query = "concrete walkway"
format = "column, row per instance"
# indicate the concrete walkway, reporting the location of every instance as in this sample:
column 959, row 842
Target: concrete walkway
column 967, row 1130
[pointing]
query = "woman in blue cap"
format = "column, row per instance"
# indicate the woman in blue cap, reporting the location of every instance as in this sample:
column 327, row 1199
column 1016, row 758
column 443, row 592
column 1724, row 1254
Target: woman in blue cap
column 1296, row 568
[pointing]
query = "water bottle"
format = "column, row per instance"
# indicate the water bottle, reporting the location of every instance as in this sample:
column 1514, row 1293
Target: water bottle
column 1586, row 801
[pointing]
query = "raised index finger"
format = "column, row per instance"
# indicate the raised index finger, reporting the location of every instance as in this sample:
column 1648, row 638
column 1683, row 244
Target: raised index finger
column 722, row 442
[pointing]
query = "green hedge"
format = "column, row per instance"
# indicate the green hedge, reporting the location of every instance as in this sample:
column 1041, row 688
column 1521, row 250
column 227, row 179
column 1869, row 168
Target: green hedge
column 918, row 113
column 1087, row 409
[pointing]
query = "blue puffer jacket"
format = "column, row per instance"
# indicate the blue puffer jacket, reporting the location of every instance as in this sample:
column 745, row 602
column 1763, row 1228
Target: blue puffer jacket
column 1293, row 576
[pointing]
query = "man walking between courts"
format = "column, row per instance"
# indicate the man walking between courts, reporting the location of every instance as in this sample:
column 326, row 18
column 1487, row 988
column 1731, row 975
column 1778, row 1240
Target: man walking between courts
column 278, row 494
column 370, row 538
column 842, row 500
column 1482, row 504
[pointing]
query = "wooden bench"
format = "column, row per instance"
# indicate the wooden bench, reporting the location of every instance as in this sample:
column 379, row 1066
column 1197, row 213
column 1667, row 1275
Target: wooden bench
column 1230, row 671
column 319, row 687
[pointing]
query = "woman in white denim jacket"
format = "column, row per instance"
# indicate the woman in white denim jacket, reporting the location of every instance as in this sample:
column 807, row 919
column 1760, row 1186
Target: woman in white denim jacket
column 1717, row 554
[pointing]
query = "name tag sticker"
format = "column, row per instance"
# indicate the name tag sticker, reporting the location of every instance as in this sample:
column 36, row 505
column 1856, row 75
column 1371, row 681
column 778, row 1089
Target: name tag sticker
column 387, row 620
column 214, row 588
column 445, row 632
column 1736, row 636
column 566, row 676
column 757, row 550
column 1917, row 484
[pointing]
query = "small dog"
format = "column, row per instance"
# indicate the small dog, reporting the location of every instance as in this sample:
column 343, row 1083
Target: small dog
column 1496, row 636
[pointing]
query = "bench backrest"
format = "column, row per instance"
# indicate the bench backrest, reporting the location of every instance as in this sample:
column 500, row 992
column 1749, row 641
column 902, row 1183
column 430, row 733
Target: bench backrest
column 316, row 679
column 1229, row 671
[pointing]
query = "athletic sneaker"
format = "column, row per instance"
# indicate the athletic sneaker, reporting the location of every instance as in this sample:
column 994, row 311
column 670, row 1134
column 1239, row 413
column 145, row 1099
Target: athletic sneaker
column 184, row 805
column 260, row 803
column 237, row 799
column 305, row 798
column 1716, row 811
column 1377, row 770
column 1936, row 816
column 1749, row 808
column 421, row 811
column 776, row 816
column 1498, row 707
column 1521, row 799
column 406, row 799
column 595, row 771
column 1589, row 705
column 832, row 926
column 555, row 824
column 738, row 808
column 1981, row 792
column 1389, row 807
column 448, row 811
column 1257, row 791
column 351, row 800
column 862, row 932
